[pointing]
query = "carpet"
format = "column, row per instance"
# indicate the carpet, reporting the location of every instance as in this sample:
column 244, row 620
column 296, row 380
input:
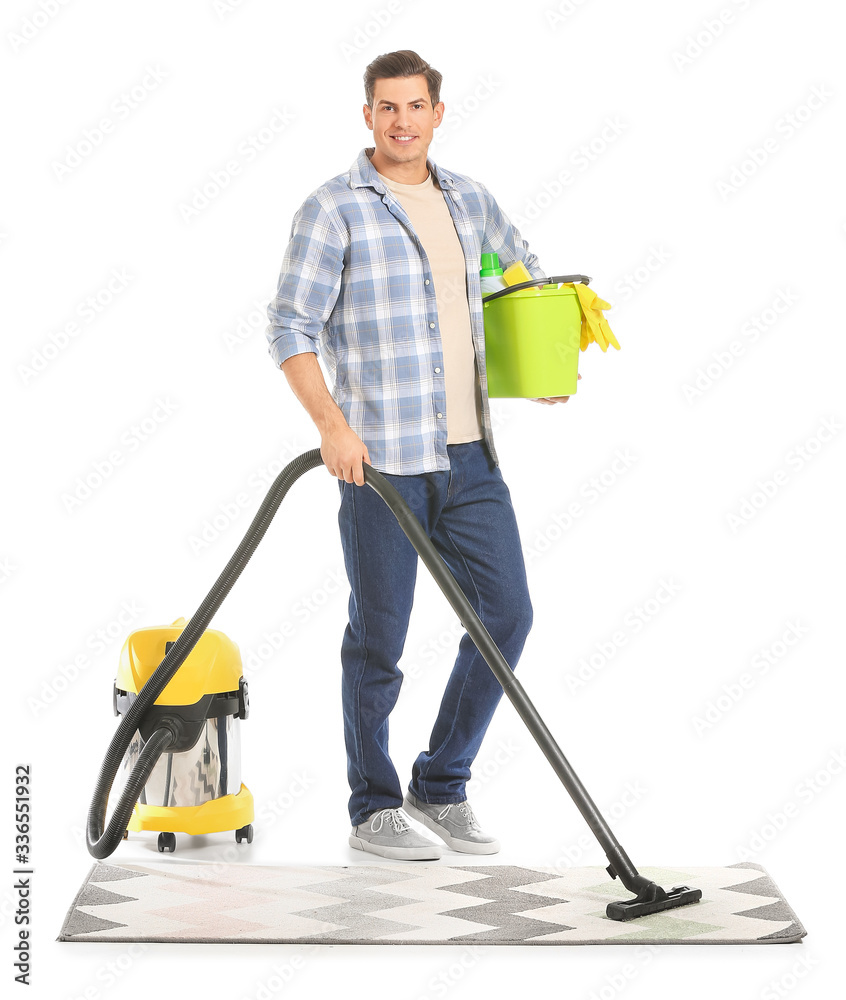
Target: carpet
column 417, row 904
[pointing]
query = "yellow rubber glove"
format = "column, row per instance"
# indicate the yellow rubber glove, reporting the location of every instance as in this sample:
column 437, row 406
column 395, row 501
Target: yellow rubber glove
column 594, row 325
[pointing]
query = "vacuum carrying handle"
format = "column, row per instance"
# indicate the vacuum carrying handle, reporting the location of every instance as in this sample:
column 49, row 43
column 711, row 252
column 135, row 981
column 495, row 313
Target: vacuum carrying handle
column 562, row 279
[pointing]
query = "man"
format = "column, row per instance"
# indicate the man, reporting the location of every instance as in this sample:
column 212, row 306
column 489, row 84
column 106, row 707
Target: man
column 381, row 277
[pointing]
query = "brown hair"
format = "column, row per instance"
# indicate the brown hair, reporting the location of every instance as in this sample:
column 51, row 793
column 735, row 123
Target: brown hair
column 405, row 62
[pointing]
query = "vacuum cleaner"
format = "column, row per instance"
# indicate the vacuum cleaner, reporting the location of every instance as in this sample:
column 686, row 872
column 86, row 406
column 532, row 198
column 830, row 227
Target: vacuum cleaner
column 152, row 726
column 179, row 696
column 195, row 787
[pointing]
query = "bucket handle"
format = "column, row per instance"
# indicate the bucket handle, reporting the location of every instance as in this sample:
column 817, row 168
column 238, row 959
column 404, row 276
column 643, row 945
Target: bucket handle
column 562, row 278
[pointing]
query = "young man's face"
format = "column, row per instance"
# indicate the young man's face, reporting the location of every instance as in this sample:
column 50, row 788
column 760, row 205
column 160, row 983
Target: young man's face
column 403, row 121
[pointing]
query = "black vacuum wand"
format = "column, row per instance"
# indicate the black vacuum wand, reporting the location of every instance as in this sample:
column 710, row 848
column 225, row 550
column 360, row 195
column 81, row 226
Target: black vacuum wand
column 649, row 896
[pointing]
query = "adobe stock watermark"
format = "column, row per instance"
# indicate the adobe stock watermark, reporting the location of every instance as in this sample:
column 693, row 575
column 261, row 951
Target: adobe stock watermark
column 806, row 792
column 129, row 443
column 220, row 179
column 734, row 691
column 786, row 127
column 562, row 12
column 429, row 653
column 378, row 18
column 751, row 333
column 413, row 670
column 33, row 23
column 111, row 972
column 581, row 159
column 120, row 110
column 792, row 977
column 113, row 631
column 616, row 983
column 7, row 570
column 223, row 8
column 767, row 489
column 281, row 975
column 589, row 493
column 503, row 415
column 707, row 32
column 280, row 635
column 456, row 113
column 492, row 766
column 632, row 281
column 270, row 811
column 8, row 907
column 87, row 311
column 228, row 512
column 446, row 641
column 246, row 326
column 576, row 853
column 451, row 975
column 632, row 624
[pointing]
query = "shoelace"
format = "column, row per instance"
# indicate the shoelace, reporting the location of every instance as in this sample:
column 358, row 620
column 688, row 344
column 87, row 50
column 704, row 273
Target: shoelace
column 466, row 812
column 396, row 818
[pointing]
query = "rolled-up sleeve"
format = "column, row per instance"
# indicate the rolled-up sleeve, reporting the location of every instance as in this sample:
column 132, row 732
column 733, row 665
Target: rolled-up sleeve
column 308, row 287
column 504, row 239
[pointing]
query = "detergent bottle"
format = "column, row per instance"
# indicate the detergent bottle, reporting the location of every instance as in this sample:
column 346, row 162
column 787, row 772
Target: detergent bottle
column 490, row 275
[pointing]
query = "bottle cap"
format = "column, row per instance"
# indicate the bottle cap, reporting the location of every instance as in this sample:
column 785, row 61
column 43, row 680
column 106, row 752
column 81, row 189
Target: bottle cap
column 490, row 265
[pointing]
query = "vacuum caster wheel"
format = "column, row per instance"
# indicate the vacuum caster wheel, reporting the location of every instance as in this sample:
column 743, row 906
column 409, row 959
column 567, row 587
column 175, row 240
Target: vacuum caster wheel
column 167, row 842
column 245, row 833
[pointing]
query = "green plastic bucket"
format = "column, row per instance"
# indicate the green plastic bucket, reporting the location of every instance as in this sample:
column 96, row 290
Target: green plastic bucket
column 532, row 338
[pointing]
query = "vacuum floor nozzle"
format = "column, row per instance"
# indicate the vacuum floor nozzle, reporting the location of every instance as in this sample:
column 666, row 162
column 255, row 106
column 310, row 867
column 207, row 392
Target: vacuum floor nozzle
column 652, row 899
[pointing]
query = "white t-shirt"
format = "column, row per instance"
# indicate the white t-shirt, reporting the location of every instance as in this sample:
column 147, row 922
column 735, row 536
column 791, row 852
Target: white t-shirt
column 429, row 214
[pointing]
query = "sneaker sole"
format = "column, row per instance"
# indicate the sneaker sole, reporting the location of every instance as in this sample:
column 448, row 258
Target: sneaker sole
column 397, row 853
column 462, row 846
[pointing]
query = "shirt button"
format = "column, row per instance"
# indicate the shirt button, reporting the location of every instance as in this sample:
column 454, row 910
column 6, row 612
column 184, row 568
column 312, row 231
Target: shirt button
column 437, row 370
column 431, row 326
column 440, row 414
column 426, row 282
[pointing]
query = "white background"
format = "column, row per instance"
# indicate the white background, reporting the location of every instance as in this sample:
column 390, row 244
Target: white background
column 679, row 227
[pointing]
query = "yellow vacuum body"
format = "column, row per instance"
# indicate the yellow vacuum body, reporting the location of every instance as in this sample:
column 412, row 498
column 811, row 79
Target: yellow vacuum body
column 196, row 787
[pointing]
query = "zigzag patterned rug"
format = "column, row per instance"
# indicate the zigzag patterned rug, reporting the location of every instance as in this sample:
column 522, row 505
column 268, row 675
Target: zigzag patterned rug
column 417, row 904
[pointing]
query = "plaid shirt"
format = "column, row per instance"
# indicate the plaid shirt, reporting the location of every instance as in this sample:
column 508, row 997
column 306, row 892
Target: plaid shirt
column 356, row 287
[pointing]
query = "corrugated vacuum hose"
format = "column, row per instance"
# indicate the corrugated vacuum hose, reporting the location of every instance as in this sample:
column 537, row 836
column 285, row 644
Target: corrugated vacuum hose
column 649, row 898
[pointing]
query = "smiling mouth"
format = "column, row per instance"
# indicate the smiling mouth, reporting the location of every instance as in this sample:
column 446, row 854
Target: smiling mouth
column 404, row 140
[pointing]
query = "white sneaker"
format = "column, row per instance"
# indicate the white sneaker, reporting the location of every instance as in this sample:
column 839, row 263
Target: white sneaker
column 389, row 834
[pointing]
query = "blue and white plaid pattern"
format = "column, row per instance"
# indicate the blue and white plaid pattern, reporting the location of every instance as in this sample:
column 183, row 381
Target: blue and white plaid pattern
column 356, row 287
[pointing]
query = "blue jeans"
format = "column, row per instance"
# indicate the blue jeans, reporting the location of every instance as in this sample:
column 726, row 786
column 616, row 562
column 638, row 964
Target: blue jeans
column 467, row 513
